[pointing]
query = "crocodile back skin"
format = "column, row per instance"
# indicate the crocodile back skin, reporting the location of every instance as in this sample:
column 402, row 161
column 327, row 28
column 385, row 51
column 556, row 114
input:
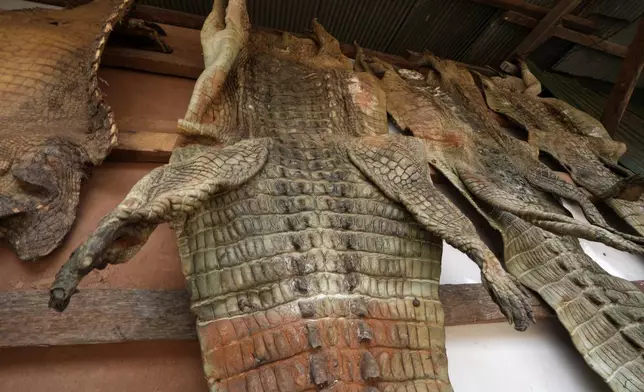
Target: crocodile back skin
column 287, row 88
column 574, row 138
column 54, row 120
column 308, row 277
column 602, row 313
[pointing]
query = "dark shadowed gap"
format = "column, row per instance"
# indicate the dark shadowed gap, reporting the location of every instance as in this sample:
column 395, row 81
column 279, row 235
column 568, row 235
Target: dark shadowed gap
column 516, row 132
column 553, row 163
column 615, row 220
column 490, row 236
column 394, row 129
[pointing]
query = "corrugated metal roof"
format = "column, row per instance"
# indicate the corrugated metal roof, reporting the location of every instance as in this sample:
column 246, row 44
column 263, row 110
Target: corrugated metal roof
column 495, row 43
column 289, row 15
column 456, row 29
column 618, row 22
column 446, row 28
column 569, row 89
column 372, row 23
column 199, row 7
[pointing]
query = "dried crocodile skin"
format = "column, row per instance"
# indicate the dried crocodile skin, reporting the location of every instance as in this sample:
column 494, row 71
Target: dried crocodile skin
column 312, row 255
column 577, row 140
column 54, row 120
column 602, row 313
column 498, row 169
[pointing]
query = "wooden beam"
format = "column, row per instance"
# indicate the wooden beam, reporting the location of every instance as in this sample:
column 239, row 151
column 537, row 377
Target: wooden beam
column 625, row 83
column 538, row 12
column 141, row 146
column 544, row 29
column 119, row 315
column 165, row 16
column 590, row 41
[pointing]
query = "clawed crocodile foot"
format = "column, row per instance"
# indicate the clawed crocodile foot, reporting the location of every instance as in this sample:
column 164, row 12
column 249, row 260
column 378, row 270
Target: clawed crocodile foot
column 511, row 297
column 87, row 257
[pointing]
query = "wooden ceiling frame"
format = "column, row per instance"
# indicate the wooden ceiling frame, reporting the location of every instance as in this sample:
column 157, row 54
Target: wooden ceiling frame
column 626, row 81
column 544, row 29
column 591, row 41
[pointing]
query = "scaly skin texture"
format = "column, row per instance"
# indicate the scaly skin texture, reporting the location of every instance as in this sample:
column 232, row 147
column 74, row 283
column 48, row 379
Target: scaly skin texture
column 54, row 120
column 602, row 313
column 312, row 254
column 498, row 169
column 575, row 139
column 315, row 258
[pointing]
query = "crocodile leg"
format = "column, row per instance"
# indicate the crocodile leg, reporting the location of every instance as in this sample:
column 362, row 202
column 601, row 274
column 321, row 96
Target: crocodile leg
column 222, row 39
column 556, row 222
column 392, row 164
column 164, row 195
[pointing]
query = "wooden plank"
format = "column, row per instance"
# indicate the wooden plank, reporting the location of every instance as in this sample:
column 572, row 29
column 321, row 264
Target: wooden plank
column 95, row 316
column 544, row 29
column 186, row 59
column 538, row 12
column 134, row 146
column 169, row 17
column 590, row 41
column 119, row 315
column 625, row 84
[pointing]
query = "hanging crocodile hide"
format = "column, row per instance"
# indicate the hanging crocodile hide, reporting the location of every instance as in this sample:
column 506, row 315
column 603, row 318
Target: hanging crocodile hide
column 311, row 241
column 54, row 120
column 577, row 140
column 508, row 185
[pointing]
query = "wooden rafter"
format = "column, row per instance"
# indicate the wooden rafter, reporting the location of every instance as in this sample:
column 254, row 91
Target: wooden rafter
column 538, row 12
column 625, row 84
column 590, row 41
column 545, row 28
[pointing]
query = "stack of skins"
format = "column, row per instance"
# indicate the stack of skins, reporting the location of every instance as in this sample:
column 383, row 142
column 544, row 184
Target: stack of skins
column 311, row 239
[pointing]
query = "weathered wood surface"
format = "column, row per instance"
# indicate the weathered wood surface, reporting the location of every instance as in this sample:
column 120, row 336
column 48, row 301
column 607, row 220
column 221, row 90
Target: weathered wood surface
column 544, row 29
column 186, row 59
column 625, row 84
column 538, row 12
column 119, row 315
column 95, row 316
column 166, row 16
column 590, row 41
column 136, row 146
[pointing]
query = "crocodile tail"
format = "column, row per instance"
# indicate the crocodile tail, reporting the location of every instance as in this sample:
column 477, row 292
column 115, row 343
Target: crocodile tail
column 603, row 314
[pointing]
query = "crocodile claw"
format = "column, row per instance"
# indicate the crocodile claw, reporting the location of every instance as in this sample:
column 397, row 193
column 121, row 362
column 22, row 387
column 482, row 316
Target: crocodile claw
column 87, row 257
column 512, row 299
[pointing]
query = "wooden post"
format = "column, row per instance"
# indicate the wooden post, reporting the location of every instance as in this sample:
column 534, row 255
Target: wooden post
column 544, row 29
column 625, row 83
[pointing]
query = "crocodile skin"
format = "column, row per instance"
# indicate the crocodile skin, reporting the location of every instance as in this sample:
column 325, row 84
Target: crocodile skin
column 602, row 313
column 311, row 248
column 575, row 139
column 498, row 169
column 54, row 119
column 308, row 276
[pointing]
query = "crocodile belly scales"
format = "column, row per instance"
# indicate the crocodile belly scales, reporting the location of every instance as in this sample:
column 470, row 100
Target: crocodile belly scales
column 308, row 277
